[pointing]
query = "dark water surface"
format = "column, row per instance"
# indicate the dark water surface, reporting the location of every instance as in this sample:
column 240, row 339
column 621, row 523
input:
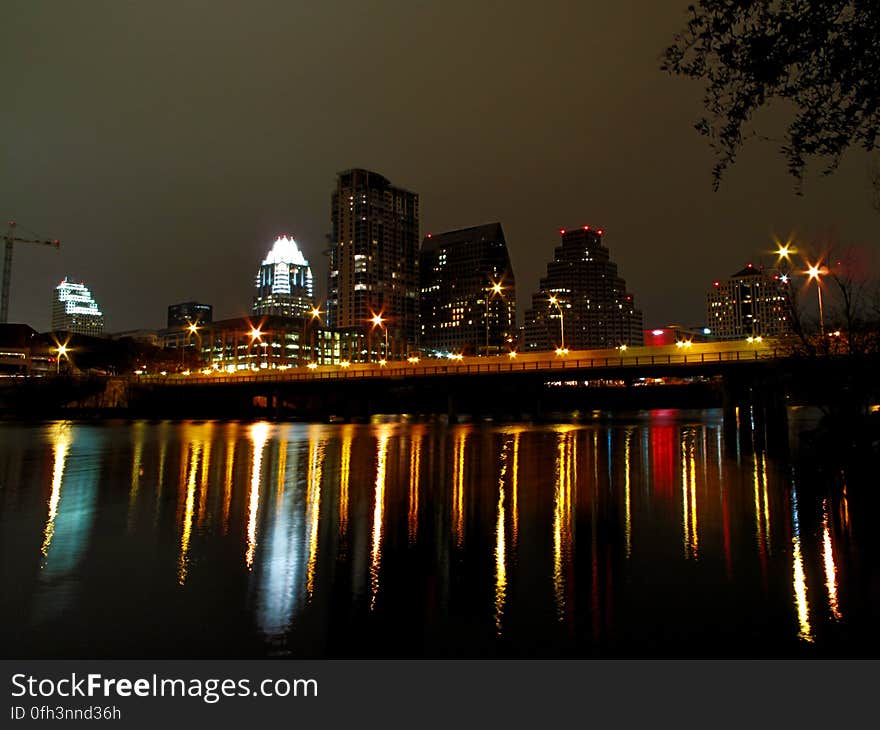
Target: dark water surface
column 640, row 536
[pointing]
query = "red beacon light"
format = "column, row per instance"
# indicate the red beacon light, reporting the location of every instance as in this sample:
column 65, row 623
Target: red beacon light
column 586, row 228
column 600, row 231
column 429, row 235
column 716, row 283
column 561, row 231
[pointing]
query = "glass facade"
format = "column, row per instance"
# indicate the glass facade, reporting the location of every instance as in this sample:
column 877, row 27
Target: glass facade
column 467, row 293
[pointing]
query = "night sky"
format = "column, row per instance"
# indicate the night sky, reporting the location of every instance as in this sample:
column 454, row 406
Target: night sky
column 166, row 144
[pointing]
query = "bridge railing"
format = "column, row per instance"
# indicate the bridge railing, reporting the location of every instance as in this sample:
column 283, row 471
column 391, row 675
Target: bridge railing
column 403, row 370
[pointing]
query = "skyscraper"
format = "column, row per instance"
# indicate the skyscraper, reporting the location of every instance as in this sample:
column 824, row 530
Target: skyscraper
column 187, row 313
column 373, row 263
column 284, row 282
column 750, row 303
column 75, row 310
column 583, row 297
column 467, row 292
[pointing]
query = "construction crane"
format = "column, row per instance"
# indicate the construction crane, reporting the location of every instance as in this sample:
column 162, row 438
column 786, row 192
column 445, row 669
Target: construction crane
column 10, row 239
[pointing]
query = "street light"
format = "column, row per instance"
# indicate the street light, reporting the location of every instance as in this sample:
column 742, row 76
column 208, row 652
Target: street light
column 315, row 313
column 494, row 289
column 192, row 328
column 554, row 300
column 814, row 271
column 379, row 321
column 62, row 352
column 255, row 334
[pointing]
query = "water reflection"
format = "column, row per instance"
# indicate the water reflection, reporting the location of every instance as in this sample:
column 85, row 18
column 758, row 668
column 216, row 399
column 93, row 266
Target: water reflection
column 378, row 511
column 205, row 473
column 458, row 472
column 689, row 494
column 259, row 435
column 69, row 521
column 627, row 478
column 345, row 478
column 415, row 472
column 317, row 447
column 137, row 469
column 545, row 539
column 566, row 476
column 281, row 570
column 195, row 450
column 501, row 541
column 60, row 446
column 799, row 578
column 828, row 564
column 227, row 476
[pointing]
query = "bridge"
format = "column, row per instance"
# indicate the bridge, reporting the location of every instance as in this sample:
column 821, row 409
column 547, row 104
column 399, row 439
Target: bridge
column 762, row 377
column 527, row 386
column 653, row 361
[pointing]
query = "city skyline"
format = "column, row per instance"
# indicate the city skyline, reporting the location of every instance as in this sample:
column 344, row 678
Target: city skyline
column 165, row 193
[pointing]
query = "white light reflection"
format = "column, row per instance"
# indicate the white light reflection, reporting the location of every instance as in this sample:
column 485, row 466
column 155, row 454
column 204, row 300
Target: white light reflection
column 61, row 440
column 280, row 567
column 317, row 447
column 259, row 434
column 828, row 561
column 378, row 512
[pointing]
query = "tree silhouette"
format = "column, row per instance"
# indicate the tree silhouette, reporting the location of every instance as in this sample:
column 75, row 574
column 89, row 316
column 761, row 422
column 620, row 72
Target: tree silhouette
column 820, row 57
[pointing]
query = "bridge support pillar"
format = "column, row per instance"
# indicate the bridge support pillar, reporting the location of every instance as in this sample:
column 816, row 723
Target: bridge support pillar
column 451, row 410
column 730, row 415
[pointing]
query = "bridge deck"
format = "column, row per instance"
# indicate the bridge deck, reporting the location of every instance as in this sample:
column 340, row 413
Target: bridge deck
column 695, row 354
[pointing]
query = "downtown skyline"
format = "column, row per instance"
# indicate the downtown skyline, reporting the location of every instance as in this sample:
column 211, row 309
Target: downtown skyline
column 169, row 193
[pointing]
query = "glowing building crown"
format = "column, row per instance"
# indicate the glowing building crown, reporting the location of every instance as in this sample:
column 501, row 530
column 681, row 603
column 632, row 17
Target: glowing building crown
column 285, row 251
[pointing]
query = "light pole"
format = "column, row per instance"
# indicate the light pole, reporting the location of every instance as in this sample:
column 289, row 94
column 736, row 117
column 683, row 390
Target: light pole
column 494, row 289
column 379, row 321
column 255, row 334
column 554, row 300
column 315, row 315
column 191, row 329
column 62, row 352
column 814, row 271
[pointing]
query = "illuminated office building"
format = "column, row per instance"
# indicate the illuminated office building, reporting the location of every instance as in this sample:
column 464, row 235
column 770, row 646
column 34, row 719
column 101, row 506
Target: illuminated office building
column 284, row 282
column 467, row 292
column 75, row 310
column 592, row 307
column 750, row 303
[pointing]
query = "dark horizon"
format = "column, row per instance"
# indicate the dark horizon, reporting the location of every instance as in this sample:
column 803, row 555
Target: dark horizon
column 167, row 163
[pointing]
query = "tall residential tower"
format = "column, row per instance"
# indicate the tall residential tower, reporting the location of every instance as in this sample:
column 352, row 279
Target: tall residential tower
column 373, row 268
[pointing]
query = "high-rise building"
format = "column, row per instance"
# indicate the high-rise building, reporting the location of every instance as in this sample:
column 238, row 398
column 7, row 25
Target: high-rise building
column 582, row 302
column 187, row 313
column 467, row 292
column 284, row 282
column 373, row 264
column 75, row 310
column 752, row 302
